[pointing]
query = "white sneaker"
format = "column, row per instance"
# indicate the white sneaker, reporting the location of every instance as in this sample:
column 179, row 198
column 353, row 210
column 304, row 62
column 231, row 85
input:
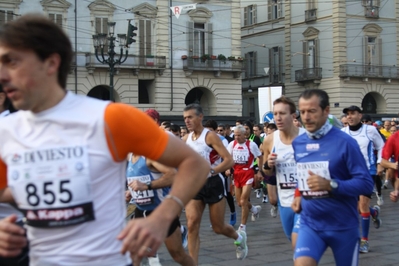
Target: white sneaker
column 380, row 200
column 256, row 215
column 241, row 247
column 273, row 211
column 154, row 261
column 258, row 193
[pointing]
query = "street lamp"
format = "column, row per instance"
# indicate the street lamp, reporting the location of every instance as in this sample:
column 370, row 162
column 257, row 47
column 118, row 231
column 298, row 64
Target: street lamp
column 100, row 41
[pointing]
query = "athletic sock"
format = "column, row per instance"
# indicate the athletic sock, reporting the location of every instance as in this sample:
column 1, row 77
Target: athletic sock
column 365, row 225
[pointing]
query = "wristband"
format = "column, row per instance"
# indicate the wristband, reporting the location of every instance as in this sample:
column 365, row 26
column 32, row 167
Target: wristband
column 175, row 199
column 297, row 193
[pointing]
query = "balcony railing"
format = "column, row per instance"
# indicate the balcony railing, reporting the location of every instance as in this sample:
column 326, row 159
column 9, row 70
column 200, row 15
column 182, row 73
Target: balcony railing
column 368, row 71
column 132, row 62
column 372, row 12
column 310, row 15
column 308, row 74
column 196, row 64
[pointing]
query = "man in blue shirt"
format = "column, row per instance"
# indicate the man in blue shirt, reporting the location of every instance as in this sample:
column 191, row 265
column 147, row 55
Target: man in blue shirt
column 331, row 174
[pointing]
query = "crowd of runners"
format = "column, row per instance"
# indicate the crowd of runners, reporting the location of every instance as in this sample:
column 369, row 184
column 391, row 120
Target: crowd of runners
column 69, row 164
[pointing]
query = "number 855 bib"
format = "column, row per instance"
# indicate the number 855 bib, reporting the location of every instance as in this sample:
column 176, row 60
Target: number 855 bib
column 52, row 186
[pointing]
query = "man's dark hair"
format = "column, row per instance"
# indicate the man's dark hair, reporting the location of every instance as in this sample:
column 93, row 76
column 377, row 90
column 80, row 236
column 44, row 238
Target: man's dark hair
column 287, row 101
column 39, row 34
column 174, row 128
column 272, row 126
column 211, row 123
column 194, row 106
column 250, row 125
column 324, row 100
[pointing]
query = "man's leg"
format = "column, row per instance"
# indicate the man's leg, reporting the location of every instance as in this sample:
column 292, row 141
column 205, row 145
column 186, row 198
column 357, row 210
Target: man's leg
column 364, row 207
column 174, row 245
column 194, row 210
column 272, row 192
column 216, row 215
column 309, row 247
column 238, row 192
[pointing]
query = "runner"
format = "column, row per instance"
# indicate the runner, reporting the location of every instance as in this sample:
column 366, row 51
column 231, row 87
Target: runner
column 63, row 157
column 331, row 175
column 210, row 147
column 279, row 160
column 244, row 152
column 369, row 140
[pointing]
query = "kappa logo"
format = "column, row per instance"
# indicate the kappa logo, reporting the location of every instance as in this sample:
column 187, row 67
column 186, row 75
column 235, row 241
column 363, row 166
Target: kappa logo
column 312, row 147
column 16, row 157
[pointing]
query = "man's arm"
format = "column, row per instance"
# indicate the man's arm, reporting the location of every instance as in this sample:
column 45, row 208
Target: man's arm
column 165, row 180
column 378, row 145
column 213, row 140
column 267, row 147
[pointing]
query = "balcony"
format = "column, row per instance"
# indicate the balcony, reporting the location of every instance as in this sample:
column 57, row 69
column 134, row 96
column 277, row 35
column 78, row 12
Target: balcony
column 213, row 65
column 134, row 62
column 310, row 15
column 368, row 71
column 308, row 74
column 372, row 12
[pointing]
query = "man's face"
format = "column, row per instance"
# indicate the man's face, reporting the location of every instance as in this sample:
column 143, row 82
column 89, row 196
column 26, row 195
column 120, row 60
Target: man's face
column 24, row 78
column 192, row 120
column 393, row 129
column 344, row 121
column 353, row 117
column 239, row 137
column 313, row 117
column 183, row 132
column 257, row 131
column 282, row 116
column 387, row 125
column 221, row 131
column 247, row 131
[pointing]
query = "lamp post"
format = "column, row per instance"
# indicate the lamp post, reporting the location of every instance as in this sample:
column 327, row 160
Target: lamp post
column 100, row 41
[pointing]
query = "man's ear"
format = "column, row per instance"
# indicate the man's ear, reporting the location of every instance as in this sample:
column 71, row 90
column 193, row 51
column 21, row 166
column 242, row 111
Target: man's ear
column 53, row 63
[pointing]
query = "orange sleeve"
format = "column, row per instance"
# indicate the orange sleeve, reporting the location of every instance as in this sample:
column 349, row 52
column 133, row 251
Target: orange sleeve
column 3, row 174
column 128, row 129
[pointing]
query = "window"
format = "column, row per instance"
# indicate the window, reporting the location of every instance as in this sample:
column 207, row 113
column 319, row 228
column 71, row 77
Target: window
column 200, row 38
column 102, row 27
column 372, row 54
column 57, row 11
column 6, row 16
column 311, row 4
column 251, row 107
column 250, row 15
column 56, row 18
column 145, row 37
column 310, row 54
column 250, row 59
column 275, row 9
column 276, row 65
column 375, row 3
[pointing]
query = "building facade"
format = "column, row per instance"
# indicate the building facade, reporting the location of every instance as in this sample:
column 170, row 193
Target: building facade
column 173, row 61
column 349, row 49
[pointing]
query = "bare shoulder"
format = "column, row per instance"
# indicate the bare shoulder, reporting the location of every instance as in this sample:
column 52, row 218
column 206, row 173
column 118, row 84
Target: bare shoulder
column 268, row 143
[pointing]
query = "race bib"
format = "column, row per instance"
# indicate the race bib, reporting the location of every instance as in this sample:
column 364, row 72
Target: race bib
column 52, row 186
column 145, row 197
column 286, row 175
column 319, row 168
column 241, row 156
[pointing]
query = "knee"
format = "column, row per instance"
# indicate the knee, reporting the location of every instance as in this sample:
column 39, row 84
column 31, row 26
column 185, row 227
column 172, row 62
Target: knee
column 193, row 223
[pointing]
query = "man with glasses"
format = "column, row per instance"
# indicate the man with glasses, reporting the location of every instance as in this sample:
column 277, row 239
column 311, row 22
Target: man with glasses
column 366, row 119
column 344, row 120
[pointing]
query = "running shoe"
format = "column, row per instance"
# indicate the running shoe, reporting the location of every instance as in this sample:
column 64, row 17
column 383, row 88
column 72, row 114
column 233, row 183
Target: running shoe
column 273, row 211
column 255, row 215
column 233, row 219
column 241, row 247
column 258, row 193
column 265, row 199
column 184, row 237
column 376, row 220
column 385, row 184
column 364, row 246
column 380, row 200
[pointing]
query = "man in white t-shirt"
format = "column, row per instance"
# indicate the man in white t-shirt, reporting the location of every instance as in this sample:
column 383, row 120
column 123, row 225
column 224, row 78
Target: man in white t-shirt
column 62, row 157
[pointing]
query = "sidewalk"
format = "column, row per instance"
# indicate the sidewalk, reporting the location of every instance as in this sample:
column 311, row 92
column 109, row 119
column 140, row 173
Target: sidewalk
column 268, row 245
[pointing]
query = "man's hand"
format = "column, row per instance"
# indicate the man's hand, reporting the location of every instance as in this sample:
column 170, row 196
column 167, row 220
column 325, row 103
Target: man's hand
column 259, row 176
column 318, row 183
column 137, row 186
column 380, row 169
column 12, row 237
column 394, row 195
column 271, row 160
column 296, row 205
column 128, row 196
column 142, row 237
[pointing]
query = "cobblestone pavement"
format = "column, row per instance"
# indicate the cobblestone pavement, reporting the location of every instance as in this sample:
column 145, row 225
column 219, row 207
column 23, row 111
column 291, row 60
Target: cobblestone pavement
column 268, row 246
